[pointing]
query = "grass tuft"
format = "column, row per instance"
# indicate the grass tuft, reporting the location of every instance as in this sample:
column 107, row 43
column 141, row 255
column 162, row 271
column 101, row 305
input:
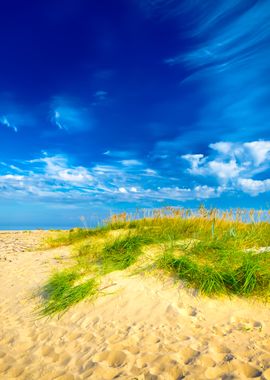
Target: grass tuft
column 214, row 269
column 61, row 292
column 253, row 275
column 123, row 251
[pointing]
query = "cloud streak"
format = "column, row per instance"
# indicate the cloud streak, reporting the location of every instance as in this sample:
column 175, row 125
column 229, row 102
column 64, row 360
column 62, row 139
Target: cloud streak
column 230, row 167
column 55, row 178
column 225, row 64
column 68, row 116
column 6, row 123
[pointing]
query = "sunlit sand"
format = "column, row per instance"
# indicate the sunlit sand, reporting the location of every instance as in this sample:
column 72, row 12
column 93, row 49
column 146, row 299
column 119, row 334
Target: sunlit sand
column 143, row 328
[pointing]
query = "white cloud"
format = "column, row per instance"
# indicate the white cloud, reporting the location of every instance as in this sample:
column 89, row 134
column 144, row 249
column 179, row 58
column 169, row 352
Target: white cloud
column 184, row 194
column 222, row 147
column 150, row 172
column 122, row 190
column 259, row 151
column 56, row 167
column 254, row 187
column 205, row 192
column 131, row 162
column 12, row 177
column 256, row 151
column 106, row 169
column 217, row 168
column 195, row 161
column 233, row 162
column 55, row 177
column 79, row 175
column 224, row 170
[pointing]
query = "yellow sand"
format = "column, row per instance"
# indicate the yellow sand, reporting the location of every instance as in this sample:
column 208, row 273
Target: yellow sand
column 144, row 329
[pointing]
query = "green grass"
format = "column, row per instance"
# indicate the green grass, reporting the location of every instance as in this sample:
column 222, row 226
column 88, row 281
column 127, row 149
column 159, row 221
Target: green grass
column 72, row 236
column 215, row 268
column 61, row 292
column 122, row 252
column 215, row 255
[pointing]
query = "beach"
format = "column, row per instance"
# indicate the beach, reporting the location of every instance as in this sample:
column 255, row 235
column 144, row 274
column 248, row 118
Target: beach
column 141, row 327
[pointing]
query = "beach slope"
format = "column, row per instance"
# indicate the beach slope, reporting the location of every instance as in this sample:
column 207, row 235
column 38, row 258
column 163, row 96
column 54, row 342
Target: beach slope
column 140, row 328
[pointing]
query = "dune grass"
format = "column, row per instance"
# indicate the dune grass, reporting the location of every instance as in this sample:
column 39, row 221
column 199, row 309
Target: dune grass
column 217, row 255
column 72, row 236
column 244, row 275
column 121, row 253
column 61, row 291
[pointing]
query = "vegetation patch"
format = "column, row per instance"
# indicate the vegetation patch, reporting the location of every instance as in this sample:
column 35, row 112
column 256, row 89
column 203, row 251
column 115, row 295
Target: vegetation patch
column 72, row 236
column 214, row 252
column 213, row 269
column 61, row 291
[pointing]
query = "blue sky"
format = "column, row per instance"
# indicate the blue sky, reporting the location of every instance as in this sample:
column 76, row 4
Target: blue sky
column 116, row 105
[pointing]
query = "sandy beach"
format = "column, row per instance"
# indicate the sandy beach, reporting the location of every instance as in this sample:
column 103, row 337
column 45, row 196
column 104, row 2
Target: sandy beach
column 141, row 328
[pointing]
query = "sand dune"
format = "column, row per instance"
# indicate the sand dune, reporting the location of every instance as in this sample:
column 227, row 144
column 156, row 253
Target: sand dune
column 143, row 328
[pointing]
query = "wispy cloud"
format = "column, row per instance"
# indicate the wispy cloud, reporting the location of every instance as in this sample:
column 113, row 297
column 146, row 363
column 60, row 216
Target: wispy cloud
column 224, row 63
column 54, row 177
column 57, row 168
column 6, row 123
column 68, row 116
column 131, row 162
column 101, row 95
column 120, row 154
column 15, row 115
column 239, row 32
column 229, row 168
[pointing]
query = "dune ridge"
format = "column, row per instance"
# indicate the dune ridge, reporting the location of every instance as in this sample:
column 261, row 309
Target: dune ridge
column 142, row 328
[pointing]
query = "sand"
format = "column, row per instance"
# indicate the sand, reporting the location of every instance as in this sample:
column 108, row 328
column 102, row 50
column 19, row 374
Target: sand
column 144, row 328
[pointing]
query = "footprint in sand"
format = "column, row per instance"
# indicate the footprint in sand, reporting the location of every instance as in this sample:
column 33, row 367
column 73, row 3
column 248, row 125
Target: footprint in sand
column 114, row 359
column 249, row 371
column 166, row 366
column 189, row 355
column 244, row 324
column 220, row 352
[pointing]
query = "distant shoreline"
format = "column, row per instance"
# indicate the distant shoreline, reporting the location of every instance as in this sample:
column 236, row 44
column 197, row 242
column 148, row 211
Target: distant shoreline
column 36, row 229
